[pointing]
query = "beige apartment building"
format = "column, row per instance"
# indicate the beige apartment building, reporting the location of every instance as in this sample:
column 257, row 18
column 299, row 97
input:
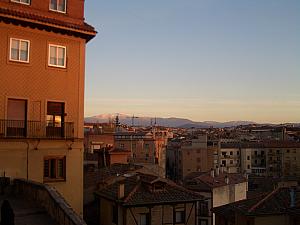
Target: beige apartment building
column 194, row 155
column 268, row 158
column 42, row 66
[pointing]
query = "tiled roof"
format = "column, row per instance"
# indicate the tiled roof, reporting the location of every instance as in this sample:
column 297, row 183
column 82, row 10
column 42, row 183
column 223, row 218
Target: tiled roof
column 93, row 177
column 276, row 202
column 139, row 191
column 265, row 144
column 200, row 181
column 33, row 18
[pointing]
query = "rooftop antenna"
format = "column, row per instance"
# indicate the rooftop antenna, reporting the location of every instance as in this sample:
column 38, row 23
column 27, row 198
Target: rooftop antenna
column 132, row 119
column 117, row 122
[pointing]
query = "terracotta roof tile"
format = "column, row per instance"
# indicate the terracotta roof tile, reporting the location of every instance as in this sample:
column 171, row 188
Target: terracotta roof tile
column 139, row 191
column 276, row 202
column 35, row 18
column 200, row 181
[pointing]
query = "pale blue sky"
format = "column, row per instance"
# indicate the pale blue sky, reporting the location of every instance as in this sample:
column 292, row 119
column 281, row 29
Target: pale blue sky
column 199, row 59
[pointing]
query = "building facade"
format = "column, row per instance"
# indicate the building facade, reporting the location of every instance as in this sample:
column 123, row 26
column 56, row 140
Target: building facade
column 194, row 155
column 147, row 148
column 219, row 188
column 144, row 200
column 42, row 66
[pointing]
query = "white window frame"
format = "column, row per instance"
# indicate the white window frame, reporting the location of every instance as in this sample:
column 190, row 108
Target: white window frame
column 20, row 40
column 20, row 2
column 65, row 11
column 65, row 56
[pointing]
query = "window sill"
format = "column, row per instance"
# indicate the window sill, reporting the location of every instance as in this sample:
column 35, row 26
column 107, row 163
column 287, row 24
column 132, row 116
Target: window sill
column 18, row 63
column 48, row 180
column 57, row 11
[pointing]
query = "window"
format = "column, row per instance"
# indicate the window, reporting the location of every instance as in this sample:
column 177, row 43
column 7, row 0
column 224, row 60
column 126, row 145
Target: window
column 144, row 219
column 231, row 161
column 248, row 157
column 122, row 146
column 58, row 5
column 179, row 216
column 19, row 50
column 203, row 222
column 55, row 119
column 203, row 209
column 248, row 166
column 231, row 153
column 55, row 168
column 26, row 2
column 224, row 162
column 17, row 117
column 57, row 56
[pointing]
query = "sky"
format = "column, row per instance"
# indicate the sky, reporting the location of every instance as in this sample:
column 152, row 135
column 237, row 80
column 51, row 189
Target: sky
column 219, row 60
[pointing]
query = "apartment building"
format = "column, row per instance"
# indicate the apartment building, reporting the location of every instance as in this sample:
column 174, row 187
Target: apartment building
column 188, row 156
column 42, row 66
column 268, row 158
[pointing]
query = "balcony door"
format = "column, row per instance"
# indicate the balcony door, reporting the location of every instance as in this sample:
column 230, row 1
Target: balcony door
column 16, row 124
column 55, row 119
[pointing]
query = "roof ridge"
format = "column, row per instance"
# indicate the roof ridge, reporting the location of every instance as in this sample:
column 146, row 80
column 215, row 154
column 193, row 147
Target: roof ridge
column 171, row 183
column 263, row 200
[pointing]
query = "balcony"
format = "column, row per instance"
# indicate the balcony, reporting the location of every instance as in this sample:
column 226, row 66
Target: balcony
column 35, row 129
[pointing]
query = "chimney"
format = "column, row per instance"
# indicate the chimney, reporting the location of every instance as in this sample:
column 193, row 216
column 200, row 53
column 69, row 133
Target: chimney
column 212, row 172
column 121, row 190
column 217, row 171
column 293, row 197
column 226, row 179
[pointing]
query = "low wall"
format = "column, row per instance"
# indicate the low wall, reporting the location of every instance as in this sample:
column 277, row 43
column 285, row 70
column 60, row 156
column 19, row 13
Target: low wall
column 49, row 199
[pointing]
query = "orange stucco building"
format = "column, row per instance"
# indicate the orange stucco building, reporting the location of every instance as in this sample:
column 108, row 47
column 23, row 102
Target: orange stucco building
column 42, row 66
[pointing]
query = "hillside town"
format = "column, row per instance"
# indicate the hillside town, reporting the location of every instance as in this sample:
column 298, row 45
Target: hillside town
column 56, row 168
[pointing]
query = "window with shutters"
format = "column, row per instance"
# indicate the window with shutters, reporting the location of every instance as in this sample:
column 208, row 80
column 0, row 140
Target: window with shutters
column 55, row 168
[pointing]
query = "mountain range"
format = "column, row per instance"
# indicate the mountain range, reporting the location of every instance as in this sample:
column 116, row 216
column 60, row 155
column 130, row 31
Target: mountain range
column 167, row 122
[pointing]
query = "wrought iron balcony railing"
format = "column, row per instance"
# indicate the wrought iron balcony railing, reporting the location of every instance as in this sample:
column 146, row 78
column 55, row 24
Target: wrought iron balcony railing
column 36, row 129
